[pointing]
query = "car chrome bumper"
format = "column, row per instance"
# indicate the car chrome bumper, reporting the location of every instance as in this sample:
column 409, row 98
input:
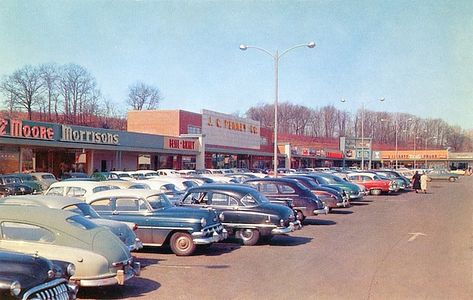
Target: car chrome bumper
column 137, row 245
column 122, row 275
column 325, row 211
column 216, row 237
column 285, row 230
column 356, row 196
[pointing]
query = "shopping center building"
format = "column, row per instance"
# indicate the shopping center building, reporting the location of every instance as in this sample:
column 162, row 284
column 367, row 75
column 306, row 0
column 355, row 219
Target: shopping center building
column 181, row 139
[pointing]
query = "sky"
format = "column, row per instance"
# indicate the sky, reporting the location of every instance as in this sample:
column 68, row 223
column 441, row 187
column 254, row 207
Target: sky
column 418, row 55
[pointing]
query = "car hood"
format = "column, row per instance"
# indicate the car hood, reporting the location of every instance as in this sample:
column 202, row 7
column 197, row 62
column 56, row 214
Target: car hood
column 28, row 270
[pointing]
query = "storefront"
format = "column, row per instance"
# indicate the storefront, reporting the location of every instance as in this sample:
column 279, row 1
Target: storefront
column 416, row 159
column 58, row 148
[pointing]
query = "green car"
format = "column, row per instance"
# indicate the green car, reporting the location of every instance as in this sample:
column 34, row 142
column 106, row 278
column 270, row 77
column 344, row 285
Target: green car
column 442, row 175
column 99, row 256
column 325, row 179
column 28, row 180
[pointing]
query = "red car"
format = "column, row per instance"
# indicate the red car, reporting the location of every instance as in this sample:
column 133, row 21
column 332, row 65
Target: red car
column 372, row 182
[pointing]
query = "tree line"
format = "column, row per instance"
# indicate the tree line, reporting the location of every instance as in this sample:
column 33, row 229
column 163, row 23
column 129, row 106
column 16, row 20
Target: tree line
column 69, row 94
column 382, row 127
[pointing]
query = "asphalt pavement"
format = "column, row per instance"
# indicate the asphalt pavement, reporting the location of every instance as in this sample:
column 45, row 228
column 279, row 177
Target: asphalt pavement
column 405, row 246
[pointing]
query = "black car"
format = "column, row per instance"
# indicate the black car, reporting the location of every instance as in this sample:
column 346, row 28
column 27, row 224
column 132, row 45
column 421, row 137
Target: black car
column 245, row 213
column 304, row 202
column 25, row 277
column 10, row 185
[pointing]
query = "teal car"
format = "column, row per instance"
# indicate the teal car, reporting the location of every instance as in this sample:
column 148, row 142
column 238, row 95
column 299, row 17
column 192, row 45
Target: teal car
column 325, row 179
column 158, row 221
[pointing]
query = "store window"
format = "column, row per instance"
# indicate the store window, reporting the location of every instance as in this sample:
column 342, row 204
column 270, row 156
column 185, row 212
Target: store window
column 194, row 130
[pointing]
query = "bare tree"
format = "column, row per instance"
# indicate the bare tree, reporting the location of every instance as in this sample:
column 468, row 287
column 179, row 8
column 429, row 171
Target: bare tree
column 142, row 96
column 49, row 76
column 24, row 86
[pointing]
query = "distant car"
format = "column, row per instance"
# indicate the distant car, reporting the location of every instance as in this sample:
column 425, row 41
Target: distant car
column 331, row 197
column 304, row 202
column 13, row 186
column 163, row 186
column 158, row 221
column 28, row 180
column 442, row 175
column 354, row 192
column 100, row 258
column 245, row 212
column 374, row 183
column 25, row 276
column 123, row 231
column 78, row 189
column 101, row 176
column 45, row 179
column 75, row 175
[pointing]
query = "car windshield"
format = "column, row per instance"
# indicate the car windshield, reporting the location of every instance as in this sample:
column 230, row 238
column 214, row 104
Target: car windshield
column 376, row 177
column 11, row 180
column 189, row 184
column 124, row 175
column 101, row 188
column 83, row 209
column 151, row 174
column 159, row 201
column 324, row 180
column 48, row 176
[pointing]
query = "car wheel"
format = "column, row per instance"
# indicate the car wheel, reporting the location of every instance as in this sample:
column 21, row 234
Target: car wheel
column 181, row 244
column 375, row 192
column 300, row 216
column 452, row 179
column 249, row 236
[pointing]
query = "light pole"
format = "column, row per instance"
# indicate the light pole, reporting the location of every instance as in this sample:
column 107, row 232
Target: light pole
column 363, row 132
column 276, row 56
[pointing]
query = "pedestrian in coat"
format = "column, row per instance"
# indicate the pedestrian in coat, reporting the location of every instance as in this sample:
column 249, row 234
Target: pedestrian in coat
column 416, row 182
column 423, row 182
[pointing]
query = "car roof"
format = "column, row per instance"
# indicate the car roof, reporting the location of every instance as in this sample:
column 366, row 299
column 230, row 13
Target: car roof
column 241, row 188
column 78, row 183
column 135, row 193
column 51, row 201
column 278, row 179
column 35, row 214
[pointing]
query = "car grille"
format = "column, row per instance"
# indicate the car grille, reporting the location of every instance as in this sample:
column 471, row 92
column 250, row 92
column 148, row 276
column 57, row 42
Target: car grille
column 59, row 291
column 209, row 231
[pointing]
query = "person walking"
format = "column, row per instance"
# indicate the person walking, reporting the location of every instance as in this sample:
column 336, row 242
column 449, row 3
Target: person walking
column 423, row 182
column 416, row 182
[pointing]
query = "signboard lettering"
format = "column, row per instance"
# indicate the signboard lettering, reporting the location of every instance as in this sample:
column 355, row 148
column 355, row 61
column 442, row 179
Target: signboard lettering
column 20, row 129
column 88, row 136
column 175, row 143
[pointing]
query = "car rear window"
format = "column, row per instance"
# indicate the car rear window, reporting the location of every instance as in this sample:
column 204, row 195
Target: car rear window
column 81, row 222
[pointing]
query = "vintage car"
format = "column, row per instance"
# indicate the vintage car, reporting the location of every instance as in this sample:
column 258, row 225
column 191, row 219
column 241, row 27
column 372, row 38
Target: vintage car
column 402, row 182
column 354, row 192
column 144, row 174
column 45, row 179
column 13, row 186
column 123, row 231
column 374, row 183
column 304, row 202
column 180, row 183
column 159, row 222
column 99, row 256
column 442, row 175
column 28, row 180
column 245, row 212
column 79, row 189
column 102, row 176
column 25, row 276
column 163, row 186
column 330, row 197
column 73, row 175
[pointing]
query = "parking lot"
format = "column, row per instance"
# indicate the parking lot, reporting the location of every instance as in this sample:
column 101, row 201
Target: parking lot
column 404, row 246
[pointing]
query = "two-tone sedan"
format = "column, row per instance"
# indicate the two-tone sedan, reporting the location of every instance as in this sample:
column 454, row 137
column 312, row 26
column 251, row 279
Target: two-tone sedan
column 159, row 222
column 100, row 258
column 245, row 213
column 124, row 231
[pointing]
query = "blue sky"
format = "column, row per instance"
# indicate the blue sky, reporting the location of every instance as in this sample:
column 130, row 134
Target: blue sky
column 416, row 54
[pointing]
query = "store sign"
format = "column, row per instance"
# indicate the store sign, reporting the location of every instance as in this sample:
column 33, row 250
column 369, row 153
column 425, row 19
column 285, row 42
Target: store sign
column 180, row 144
column 227, row 130
column 418, row 155
column 70, row 134
column 26, row 129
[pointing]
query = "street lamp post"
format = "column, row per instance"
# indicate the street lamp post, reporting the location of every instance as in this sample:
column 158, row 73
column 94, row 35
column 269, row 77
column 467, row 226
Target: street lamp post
column 363, row 132
column 425, row 154
column 276, row 56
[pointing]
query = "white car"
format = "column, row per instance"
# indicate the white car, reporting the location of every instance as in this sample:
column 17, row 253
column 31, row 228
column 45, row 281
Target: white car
column 77, row 188
column 122, row 175
column 143, row 174
column 45, row 179
column 167, row 172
